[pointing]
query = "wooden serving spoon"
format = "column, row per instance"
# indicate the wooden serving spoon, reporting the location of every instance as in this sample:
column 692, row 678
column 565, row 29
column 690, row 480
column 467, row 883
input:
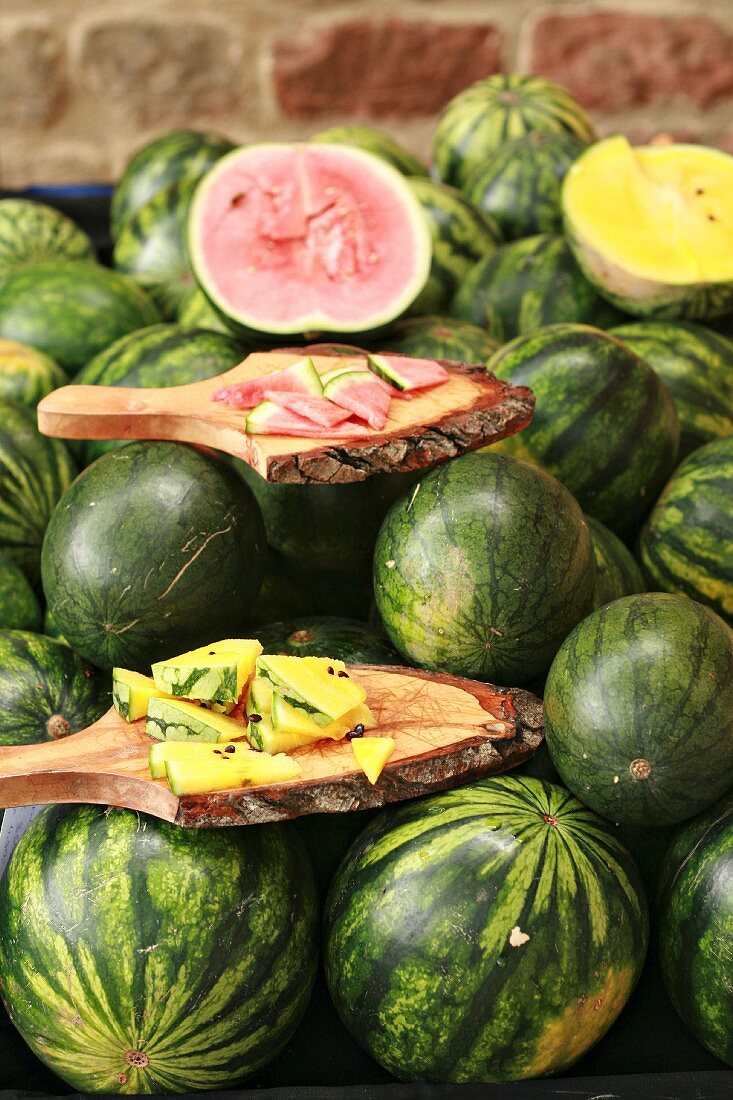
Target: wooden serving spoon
column 447, row 730
column 470, row 410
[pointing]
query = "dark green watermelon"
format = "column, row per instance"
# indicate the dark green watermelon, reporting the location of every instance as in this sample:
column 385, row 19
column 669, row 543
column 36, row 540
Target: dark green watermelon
column 178, row 155
column 156, row 548
column 49, row 627
column 604, row 423
column 34, row 473
column 31, row 232
column 686, row 545
column 519, row 185
column 27, row 375
column 696, row 927
column 462, row 235
column 697, row 366
column 158, row 356
column 46, row 690
column 138, row 957
column 483, row 568
column 490, row 933
column 327, row 636
column 71, row 310
column 19, row 606
column 639, row 709
column 527, row 284
column 617, row 573
column 295, row 589
column 377, row 142
column 440, row 338
column 482, row 119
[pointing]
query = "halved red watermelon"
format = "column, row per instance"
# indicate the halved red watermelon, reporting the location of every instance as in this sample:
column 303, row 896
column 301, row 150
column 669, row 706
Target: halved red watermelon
column 408, row 374
column 317, row 409
column 363, row 394
column 267, row 418
column 295, row 238
column 301, row 377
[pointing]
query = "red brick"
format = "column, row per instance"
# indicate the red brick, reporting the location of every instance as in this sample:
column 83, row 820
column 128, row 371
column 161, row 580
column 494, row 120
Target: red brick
column 393, row 68
column 614, row 60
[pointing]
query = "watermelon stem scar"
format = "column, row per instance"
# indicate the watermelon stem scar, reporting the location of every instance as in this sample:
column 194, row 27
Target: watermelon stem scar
column 137, row 1058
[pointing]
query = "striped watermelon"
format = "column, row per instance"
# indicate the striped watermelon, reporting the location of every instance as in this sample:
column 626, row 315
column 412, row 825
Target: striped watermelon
column 19, row 606
column 617, row 573
column 481, row 119
column 195, row 311
column 27, row 375
column 527, row 284
column 327, row 636
column 376, row 142
column 489, row 933
column 440, row 338
column 604, row 423
column 686, row 545
column 138, row 957
column 31, row 232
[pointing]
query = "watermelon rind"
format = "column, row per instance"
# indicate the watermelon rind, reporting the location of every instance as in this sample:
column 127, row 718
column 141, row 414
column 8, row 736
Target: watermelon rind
column 19, row 606
column 376, row 142
column 26, row 374
column 617, row 573
column 438, row 337
column 346, row 639
column 31, row 232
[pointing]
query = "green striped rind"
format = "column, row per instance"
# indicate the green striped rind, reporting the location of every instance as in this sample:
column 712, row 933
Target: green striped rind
column 31, row 232
column 195, row 311
column 377, row 142
column 19, row 606
column 27, row 375
column 327, row 636
column 686, row 543
column 71, row 310
column 639, row 709
column 169, row 556
column 483, row 568
column 462, row 235
column 34, row 473
column 156, row 356
column 440, row 338
column 178, row 155
column 696, row 927
column 527, row 284
column 99, row 957
column 519, row 186
column 46, row 690
column 420, row 921
column 617, row 573
column 216, row 683
column 168, row 722
column 604, row 423
column 697, row 366
column 491, row 112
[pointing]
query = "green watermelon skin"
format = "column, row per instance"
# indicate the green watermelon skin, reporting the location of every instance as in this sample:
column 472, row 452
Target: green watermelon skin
column 617, row 573
column 697, row 366
column 35, row 472
column 27, row 375
column 170, row 556
column 157, row 356
column 520, row 185
column 483, row 568
column 377, row 142
column 195, row 311
column 293, row 589
column 327, row 636
column 173, row 157
column 639, row 709
column 31, row 232
column 46, row 690
column 50, row 629
column 685, row 545
column 527, row 284
column 461, row 234
column 71, row 310
column 117, row 986
column 491, row 933
column 696, row 926
column 480, row 120
column 19, row 606
column 440, row 338
column 604, row 423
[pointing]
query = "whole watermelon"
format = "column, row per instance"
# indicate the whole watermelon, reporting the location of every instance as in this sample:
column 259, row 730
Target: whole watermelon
column 617, row 573
column 686, row 544
column 490, row 933
column 34, row 473
column 440, row 338
column 46, row 690
column 155, row 549
column 327, row 636
column 19, row 606
column 295, row 589
column 527, row 284
column 374, row 141
column 483, row 568
column 138, row 957
column 696, row 927
column 480, row 120
column 195, row 311
column 27, row 375
column 639, row 709
column 31, row 232
column 71, row 310
column 604, row 423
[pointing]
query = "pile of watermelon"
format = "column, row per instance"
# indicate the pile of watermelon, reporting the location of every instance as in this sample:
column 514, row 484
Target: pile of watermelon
column 488, row 933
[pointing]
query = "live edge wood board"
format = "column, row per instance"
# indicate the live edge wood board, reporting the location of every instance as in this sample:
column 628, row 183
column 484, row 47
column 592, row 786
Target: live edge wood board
column 447, row 730
column 471, row 410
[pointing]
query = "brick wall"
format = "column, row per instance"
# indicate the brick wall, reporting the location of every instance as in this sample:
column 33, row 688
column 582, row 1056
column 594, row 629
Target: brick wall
column 82, row 84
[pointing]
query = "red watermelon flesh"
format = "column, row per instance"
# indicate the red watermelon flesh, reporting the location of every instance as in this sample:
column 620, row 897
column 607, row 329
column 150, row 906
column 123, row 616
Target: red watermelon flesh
column 408, row 374
column 363, row 394
column 293, row 238
column 270, row 419
column 301, row 377
column 317, row 409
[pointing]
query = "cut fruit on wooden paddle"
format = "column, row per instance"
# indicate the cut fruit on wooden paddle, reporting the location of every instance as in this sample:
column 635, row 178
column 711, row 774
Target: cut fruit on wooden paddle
column 471, row 410
column 447, row 730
